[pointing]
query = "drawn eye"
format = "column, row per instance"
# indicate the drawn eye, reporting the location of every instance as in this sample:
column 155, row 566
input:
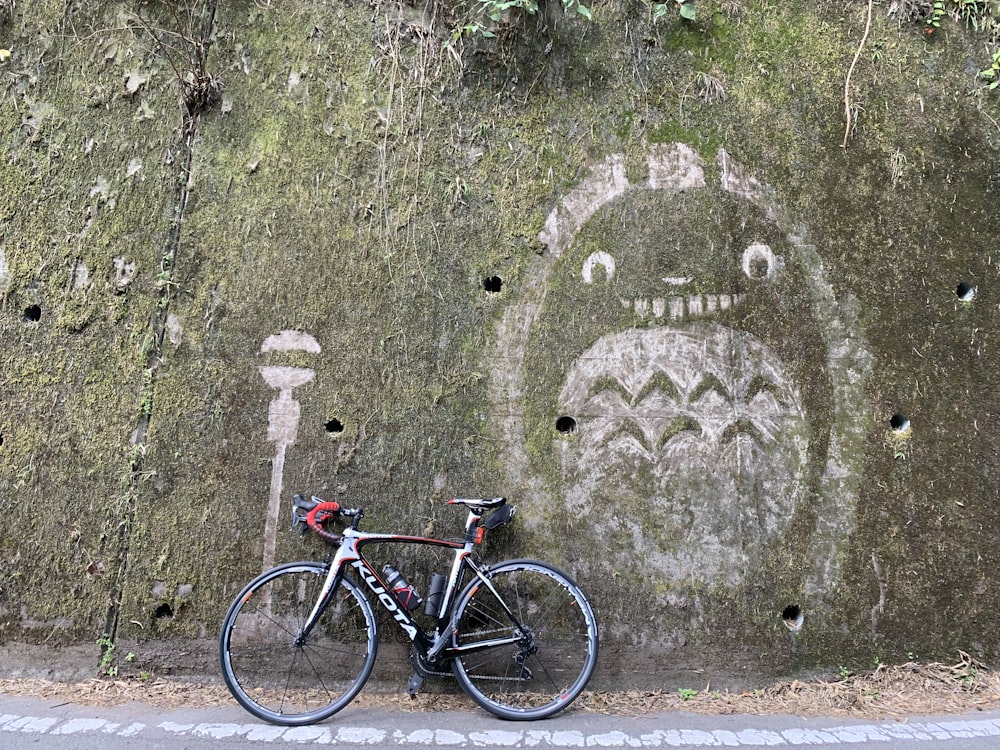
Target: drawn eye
column 759, row 261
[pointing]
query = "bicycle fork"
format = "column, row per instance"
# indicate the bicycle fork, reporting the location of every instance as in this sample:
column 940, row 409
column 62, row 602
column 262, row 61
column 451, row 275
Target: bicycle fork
column 329, row 586
column 346, row 551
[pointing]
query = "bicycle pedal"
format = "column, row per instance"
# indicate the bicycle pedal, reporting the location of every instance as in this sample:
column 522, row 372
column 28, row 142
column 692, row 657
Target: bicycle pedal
column 413, row 686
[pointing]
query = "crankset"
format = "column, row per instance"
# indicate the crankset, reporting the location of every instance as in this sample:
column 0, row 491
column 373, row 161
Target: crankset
column 424, row 668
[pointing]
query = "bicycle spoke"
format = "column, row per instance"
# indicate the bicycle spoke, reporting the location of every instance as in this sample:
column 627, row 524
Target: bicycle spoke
column 556, row 647
column 281, row 676
column 524, row 644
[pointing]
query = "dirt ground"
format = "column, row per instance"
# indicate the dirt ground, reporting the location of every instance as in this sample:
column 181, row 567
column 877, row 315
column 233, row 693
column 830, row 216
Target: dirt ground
column 912, row 689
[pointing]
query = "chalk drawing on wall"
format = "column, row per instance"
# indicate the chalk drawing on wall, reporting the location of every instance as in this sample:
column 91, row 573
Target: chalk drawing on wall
column 682, row 402
column 283, row 414
column 704, row 421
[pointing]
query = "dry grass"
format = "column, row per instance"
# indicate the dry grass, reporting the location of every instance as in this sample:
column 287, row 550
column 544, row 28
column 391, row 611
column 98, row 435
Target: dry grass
column 905, row 690
column 888, row 692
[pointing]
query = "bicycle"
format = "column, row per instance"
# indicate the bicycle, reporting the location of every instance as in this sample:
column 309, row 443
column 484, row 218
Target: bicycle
column 299, row 641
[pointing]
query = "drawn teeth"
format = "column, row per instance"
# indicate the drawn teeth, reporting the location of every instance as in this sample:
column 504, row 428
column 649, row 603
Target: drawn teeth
column 681, row 307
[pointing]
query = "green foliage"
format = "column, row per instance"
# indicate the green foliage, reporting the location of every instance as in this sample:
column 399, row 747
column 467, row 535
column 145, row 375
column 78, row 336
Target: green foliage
column 660, row 10
column 937, row 13
column 147, row 391
column 991, row 75
column 107, row 665
column 487, row 14
column 687, row 694
column 981, row 16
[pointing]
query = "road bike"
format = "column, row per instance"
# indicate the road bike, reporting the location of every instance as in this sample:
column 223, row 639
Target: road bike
column 299, row 641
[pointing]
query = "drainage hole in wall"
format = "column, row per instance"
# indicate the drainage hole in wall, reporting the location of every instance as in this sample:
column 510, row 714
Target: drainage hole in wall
column 965, row 291
column 1, row 439
column 899, row 423
column 334, row 426
column 164, row 610
column 792, row 616
column 32, row 313
column 492, row 284
column 759, row 268
column 566, row 425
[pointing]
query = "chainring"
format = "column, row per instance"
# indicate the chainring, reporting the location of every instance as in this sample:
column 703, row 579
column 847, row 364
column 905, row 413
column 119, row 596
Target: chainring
column 418, row 658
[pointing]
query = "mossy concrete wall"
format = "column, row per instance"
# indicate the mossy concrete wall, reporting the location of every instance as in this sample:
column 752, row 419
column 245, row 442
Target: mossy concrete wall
column 243, row 250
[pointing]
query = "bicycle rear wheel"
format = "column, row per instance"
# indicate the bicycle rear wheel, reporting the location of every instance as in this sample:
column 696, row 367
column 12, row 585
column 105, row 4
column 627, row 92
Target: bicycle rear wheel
column 286, row 679
column 554, row 651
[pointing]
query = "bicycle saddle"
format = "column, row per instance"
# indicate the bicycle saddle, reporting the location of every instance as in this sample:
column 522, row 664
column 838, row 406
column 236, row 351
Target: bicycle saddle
column 478, row 504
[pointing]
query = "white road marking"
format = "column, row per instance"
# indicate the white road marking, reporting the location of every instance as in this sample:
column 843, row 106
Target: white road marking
column 73, row 726
column 849, row 735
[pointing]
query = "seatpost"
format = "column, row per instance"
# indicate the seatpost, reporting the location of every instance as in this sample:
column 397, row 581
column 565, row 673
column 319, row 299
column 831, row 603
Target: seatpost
column 470, row 526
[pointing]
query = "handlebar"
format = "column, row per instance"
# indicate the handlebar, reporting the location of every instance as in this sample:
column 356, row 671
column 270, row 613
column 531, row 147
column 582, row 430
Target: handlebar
column 314, row 513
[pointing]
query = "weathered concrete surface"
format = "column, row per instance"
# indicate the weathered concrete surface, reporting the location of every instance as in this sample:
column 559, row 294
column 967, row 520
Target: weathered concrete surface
column 703, row 313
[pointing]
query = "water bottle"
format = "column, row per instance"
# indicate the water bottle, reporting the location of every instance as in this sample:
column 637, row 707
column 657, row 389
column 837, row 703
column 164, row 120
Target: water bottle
column 434, row 594
column 405, row 593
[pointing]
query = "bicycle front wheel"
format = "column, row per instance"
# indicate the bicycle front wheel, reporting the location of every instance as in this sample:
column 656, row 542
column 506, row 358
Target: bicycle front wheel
column 277, row 673
column 526, row 648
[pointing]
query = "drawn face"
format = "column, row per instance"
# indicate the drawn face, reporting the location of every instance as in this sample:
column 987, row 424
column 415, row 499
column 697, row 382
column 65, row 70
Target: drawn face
column 683, row 408
column 679, row 359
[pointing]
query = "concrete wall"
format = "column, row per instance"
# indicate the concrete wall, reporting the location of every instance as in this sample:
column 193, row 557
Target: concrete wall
column 632, row 275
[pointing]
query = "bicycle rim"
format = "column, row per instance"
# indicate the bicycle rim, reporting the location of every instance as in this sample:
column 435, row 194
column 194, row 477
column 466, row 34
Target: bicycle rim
column 555, row 653
column 281, row 678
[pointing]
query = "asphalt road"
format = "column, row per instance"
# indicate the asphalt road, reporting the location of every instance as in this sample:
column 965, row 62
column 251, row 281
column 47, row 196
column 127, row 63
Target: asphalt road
column 50, row 725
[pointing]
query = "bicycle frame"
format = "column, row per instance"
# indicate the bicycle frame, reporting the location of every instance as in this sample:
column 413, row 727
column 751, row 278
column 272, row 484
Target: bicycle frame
column 519, row 636
column 350, row 555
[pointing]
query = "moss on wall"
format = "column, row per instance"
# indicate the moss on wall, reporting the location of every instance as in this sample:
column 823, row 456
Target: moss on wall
column 357, row 180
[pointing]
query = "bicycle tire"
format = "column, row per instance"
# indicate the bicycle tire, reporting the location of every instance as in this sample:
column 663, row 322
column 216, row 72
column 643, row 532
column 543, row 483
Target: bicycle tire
column 546, row 669
column 280, row 680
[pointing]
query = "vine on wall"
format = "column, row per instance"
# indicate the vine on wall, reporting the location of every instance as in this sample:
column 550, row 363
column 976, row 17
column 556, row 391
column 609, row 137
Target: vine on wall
column 486, row 15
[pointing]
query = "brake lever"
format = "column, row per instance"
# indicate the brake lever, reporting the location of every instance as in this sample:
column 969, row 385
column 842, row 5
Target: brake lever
column 298, row 515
